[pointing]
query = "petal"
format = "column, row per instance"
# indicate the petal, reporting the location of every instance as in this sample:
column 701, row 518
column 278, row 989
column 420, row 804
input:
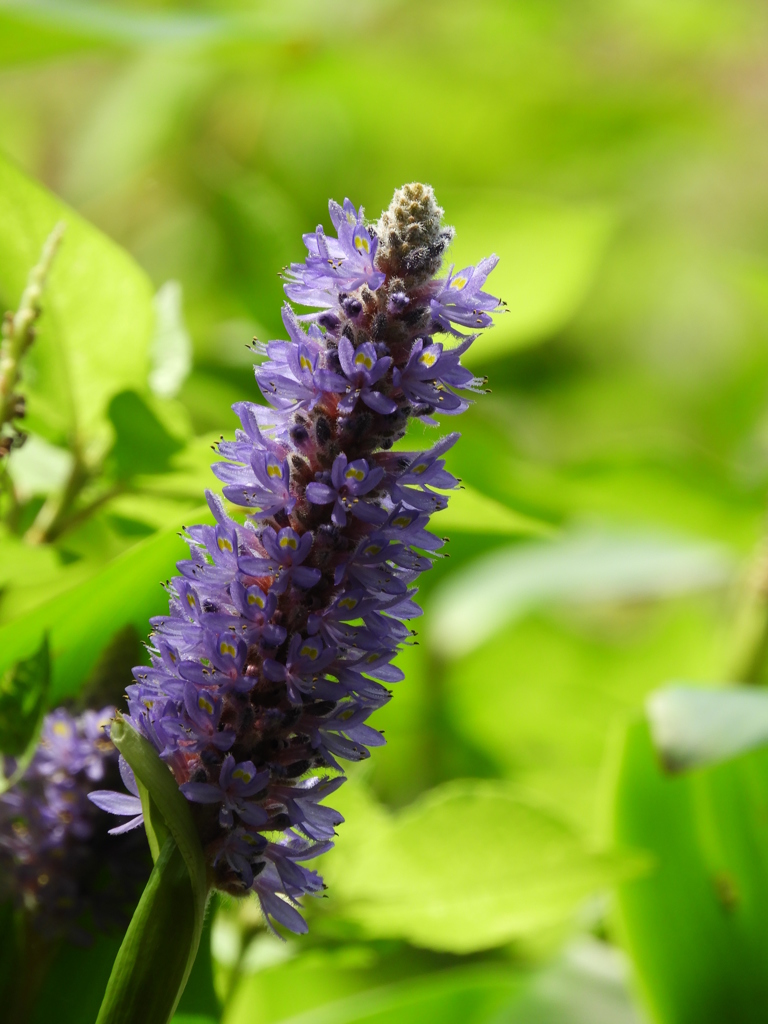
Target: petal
column 127, row 826
column 114, row 803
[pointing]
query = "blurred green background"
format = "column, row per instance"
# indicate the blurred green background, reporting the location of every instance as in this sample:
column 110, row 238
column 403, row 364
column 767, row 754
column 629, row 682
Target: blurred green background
column 510, row 856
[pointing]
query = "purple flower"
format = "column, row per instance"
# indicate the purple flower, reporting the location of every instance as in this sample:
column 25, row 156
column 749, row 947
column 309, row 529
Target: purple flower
column 336, row 265
column 236, row 783
column 285, row 551
column 348, row 483
column 306, row 659
column 458, row 298
column 362, row 369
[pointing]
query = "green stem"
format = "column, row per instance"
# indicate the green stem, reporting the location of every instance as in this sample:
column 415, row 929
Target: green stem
column 18, row 328
column 154, row 961
column 51, row 520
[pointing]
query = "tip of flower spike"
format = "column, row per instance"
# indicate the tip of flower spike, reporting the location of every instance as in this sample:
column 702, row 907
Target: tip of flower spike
column 411, row 234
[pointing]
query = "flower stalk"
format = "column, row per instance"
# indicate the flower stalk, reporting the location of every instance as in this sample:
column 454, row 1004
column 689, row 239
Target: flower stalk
column 282, row 628
column 18, row 333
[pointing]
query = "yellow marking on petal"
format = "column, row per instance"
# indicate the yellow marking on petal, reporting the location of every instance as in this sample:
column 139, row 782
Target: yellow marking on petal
column 205, row 705
column 191, row 600
column 227, row 648
column 61, row 729
column 289, row 542
column 427, row 358
column 355, row 474
column 458, row 282
column 305, row 363
column 348, row 602
column 257, row 599
column 362, row 243
column 224, row 544
column 373, row 549
column 241, row 773
column 362, row 359
column 401, row 521
column 309, row 651
column 274, row 470
column 421, row 468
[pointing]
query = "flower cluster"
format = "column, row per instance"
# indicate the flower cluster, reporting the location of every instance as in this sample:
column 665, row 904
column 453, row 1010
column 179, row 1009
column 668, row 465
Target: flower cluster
column 56, row 861
column 282, row 629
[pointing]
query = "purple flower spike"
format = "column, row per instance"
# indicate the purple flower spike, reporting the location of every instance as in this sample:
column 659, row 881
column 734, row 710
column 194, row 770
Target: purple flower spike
column 58, row 865
column 282, row 629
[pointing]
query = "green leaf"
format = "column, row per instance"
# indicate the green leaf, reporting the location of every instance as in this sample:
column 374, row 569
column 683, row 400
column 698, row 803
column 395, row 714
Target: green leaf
column 82, row 620
column 595, row 565
column 172, row 345
column 168, row 922
column 693, row 726
column 470, row 511
column 696, row 927
column 142, row 444
column 23, row 694
column 478, row 994
column 522, row 869
column 549, row 256
column 95, row 331
column 564, row 682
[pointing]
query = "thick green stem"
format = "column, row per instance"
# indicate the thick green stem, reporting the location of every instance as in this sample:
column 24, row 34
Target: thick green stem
column 161, row 943
column 154, row 961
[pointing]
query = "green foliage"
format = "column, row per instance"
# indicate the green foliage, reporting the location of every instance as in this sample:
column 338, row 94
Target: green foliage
column 23, row 695
column 83, row 619
column 692, row 727
column 94, row 339
column 696, row 926
column 142, row 444
column 614, row 480
column 398, row 877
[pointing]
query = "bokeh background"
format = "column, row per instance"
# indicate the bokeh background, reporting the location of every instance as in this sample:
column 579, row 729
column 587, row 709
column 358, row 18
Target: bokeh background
column 510, row 856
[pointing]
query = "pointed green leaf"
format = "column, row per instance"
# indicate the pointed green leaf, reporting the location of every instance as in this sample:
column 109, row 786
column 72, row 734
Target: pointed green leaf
column 695, row 926
column 694, row 726
column 168, row 922
column 83, row 619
